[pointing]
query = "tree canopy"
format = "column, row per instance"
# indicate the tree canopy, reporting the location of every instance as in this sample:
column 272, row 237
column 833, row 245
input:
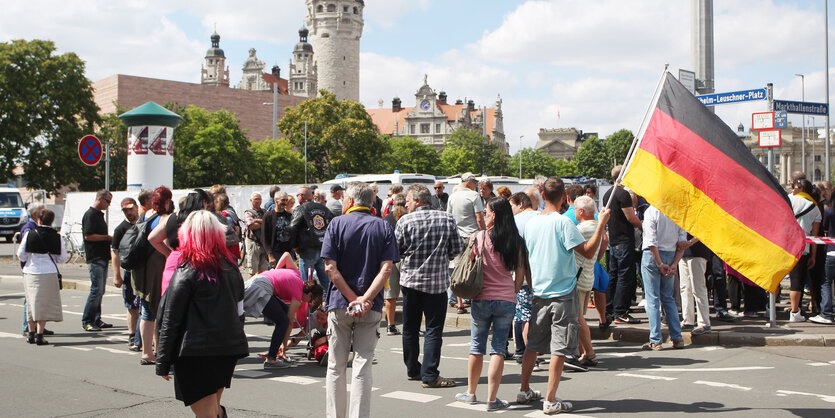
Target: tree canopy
column 467, row 150
column 277, row 162
column 592, row 159
column 47, row 107
column 617, row 146
column 341, row 138
column 409, row 155
column 533, row 162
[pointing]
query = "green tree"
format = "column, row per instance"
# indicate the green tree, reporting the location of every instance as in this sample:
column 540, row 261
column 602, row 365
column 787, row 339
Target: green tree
column 533, row 162
column 409, row 155
column 466, row 150
column 341, row 138
column 209, row 148
column 276, row 161
column 617, row 146
column 566, row 168
column 592, row 159
column 112, row 129
column 47, row 106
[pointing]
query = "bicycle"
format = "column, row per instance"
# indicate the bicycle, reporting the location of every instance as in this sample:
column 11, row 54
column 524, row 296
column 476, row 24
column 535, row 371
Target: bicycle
column 73, row 242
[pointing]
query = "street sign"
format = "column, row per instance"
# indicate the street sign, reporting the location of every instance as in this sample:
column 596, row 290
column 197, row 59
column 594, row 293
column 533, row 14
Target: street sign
column 763, row 120
column 688, row 79
column 781, row 119
column 770, row 138
column 732, row 97
column 89, row 149
column 802, row 108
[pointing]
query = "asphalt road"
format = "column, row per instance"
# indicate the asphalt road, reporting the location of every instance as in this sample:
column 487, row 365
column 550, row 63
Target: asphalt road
column 93, row 374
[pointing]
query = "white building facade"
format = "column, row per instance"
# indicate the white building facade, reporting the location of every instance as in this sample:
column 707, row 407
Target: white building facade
column 335, row 29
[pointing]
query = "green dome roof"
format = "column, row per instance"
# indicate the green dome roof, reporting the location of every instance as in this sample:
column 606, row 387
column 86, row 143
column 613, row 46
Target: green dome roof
column 151, row 114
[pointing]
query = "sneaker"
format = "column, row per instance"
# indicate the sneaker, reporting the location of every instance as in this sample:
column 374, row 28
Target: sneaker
column 685, row 327
column 392, row 330
column 528, row 396
column 750, row 314
column 626, row 319
column 496, row 405
column 92, row 328
column 103, row 325
column 733, row 312
column 604, row 325
column 796, row 316
column 536, row 368
column 571, row 363
column 467, row 398
column 821, row 320
column 677, row 344
column 551, row 408
column 651, row 346
column 518, row 358
column 725, row 316
column 277, row 364
column 700, row 331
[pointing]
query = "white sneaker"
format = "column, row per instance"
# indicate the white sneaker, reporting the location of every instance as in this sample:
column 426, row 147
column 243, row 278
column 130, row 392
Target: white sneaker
column 796, row 317
column 821, row 320
column 551, row 408
column 530, row 395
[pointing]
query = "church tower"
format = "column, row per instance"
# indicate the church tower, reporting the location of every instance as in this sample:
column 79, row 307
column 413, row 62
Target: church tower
column 303, row 72
column 253, row 74
column 215, row 72
column 335, row 29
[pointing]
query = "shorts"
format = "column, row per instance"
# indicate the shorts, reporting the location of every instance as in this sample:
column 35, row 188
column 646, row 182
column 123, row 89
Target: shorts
column 130, row 298
column 523, row 304
column 799, row 274
column 583, row 302
column 499, row 313
column 147, row 314
column 393, row 289
column 554, row 328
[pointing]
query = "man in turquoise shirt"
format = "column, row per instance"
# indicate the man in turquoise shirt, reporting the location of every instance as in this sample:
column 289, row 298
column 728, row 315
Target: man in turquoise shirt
column 551, row 240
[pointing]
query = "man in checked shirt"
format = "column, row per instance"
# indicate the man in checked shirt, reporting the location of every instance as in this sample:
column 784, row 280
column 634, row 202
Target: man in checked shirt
column 428, row 239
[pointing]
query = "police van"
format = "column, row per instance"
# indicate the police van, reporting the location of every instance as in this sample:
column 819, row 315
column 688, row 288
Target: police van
column 12, row 212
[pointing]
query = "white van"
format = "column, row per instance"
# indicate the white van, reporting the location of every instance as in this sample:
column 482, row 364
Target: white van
column 12, row 212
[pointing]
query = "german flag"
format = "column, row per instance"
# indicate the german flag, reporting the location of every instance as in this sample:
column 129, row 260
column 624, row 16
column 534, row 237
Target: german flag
column 692, row 167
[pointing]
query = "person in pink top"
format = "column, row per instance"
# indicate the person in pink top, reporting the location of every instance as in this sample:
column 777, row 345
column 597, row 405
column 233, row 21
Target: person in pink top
column 504, row 254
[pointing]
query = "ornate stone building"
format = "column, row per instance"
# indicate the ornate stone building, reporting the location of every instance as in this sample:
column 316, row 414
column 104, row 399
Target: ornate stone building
column 432, row 119
column 335, row 31
column 214, row 71
column 303, row 69
column 253, row 74
column 788, row 156
column 561, row 143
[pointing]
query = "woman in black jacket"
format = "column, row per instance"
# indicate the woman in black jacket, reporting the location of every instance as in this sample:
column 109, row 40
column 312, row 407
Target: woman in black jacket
column 199, row 327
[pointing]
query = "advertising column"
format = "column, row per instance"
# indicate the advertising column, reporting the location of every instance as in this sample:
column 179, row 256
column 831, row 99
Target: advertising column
column 150, row 146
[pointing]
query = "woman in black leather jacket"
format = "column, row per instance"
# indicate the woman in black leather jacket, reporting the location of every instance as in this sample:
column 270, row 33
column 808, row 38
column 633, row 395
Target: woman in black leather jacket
column 199, row 327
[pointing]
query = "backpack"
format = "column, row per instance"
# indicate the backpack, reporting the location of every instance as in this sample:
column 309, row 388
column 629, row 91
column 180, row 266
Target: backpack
column 134, row 246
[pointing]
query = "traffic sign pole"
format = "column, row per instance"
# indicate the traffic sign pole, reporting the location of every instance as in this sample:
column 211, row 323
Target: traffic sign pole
column 772, row 298
column 107, row 165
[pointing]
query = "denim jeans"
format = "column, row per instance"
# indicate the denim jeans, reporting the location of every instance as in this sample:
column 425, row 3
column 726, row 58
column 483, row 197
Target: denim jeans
column 416, row 305
column 659, row 291
column 484, row 313
column 98, row 276
column 622, row 279
column 312, row 258
column 826, row 288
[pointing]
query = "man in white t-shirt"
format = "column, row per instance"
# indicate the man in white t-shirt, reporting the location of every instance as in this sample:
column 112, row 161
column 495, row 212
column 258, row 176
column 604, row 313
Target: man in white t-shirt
column 809, row 217
column 584, row 210
column 467, row 209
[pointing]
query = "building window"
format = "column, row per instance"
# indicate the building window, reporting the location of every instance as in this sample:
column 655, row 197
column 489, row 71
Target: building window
column 777, row 159
column 817, row 158
column 345, row 9
column 412, row 129
column 356, row 11
column 437, row 128
column 319, row 9
column 424, row 128
column 331, row 7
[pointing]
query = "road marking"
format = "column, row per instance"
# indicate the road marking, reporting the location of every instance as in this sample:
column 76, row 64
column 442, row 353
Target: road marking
column 115, row 351
column 721, row 385
column 817, row 364
column 411, row 396
column 459, row 345
column 2, row 304
column 373, row 389
column 10, row 335
column 76, row 348
column 538, row 414
column 117, row 339
column 477, row 407
column 12, row 294
column 707, row 369
column 712, row 348
column 298, row 380
column 825, row 398
column 643, row 376
column 114, row 317
column 14, row 304
column 618, row 355
column 832, row 362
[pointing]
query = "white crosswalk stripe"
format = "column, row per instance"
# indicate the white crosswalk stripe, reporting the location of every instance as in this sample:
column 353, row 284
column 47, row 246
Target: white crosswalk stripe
column 411, row 396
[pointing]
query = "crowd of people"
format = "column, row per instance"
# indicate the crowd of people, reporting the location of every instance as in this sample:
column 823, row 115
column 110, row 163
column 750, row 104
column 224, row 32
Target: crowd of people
column 341, row 260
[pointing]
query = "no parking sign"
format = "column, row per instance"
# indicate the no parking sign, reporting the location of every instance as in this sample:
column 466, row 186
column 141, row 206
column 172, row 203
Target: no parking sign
column 89, row 149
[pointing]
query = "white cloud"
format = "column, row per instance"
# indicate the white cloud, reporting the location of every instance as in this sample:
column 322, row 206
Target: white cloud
column 386, row 13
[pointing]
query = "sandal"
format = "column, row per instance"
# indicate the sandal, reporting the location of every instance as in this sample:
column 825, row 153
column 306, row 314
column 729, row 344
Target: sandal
column 39, row 340
column 462, row 310
column 440, row 382
column 589, row 361
column 144, row 362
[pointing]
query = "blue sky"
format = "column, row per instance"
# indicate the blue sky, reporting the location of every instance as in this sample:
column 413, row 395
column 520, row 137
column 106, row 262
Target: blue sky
column 594, row 62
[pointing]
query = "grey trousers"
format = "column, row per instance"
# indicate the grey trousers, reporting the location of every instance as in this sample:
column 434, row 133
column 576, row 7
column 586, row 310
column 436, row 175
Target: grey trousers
column 343, row 332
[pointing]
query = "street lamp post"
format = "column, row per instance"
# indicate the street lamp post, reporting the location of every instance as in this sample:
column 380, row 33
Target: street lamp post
column 305, row 151
column 520, row 156
column 275, row 110
column 803, row 131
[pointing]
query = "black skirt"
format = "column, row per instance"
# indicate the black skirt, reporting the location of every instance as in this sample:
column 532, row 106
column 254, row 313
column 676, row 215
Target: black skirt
column 198, row 377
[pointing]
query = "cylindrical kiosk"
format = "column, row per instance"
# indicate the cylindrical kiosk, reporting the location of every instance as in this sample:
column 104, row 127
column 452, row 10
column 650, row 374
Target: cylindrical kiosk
column 150, row 146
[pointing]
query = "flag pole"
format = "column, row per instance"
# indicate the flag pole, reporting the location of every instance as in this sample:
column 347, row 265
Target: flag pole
column 636, row 142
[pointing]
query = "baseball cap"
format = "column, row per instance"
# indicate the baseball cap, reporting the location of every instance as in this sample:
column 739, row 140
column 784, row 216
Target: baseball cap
column 335, row 188
column 128, row 203
column 467, row 177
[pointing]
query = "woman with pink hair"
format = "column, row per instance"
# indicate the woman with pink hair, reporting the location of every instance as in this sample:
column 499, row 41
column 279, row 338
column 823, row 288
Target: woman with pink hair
column 199, row 325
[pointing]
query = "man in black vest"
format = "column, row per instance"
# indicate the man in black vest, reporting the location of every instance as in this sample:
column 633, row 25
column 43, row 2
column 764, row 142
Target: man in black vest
column 310, row 220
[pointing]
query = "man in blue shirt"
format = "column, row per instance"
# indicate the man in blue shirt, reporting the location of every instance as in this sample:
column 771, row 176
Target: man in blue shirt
column 359, row 250
column 552, row 239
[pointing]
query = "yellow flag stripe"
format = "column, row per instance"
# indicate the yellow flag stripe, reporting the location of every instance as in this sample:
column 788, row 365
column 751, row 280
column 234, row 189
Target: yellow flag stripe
column 760, row 260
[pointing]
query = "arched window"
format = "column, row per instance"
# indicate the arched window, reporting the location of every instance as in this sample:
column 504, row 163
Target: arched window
column 320, row 9
column 817, row 174
column 356, row 11
column 331, row 8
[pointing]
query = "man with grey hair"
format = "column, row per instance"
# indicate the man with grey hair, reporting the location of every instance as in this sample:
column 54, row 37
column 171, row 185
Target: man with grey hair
column 256, row 255
column 359, row 250
column 428, row 240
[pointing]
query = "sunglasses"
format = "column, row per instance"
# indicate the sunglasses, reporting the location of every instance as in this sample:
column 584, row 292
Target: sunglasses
column 439, row 187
